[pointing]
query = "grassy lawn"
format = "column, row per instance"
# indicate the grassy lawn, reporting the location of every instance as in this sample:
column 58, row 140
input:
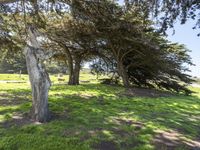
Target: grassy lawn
column 15, row 77
column 95, row 116
column 54, row 78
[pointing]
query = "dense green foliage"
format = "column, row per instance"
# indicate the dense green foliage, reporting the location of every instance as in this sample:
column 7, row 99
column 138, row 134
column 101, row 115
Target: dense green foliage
column 126, row 36
column 13, row 64
column 140, row 54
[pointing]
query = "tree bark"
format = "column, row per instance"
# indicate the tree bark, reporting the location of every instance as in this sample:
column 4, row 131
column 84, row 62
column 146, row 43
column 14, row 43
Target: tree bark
column 75, row 72
column 39, row 79
column 77, row 69
column 69, row 64
column 70, row 68
column 123, row 73
column 120, row 66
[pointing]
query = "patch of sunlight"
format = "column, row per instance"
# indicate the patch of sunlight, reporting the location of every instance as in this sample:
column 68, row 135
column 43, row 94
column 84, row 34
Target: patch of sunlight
column 3, row 92
column 108, row 134
column 15, row 77
column 7, row 108
column 1, row 118
column 146, row 147
column 112, row 120
column 145, row 137
column 8, row 116
column 121, row 120
column 81, row 92
column 194, row 118
column 14, row 86
column 155, row 125
column 196, row 90
column 196, row 106
column 128, row 115
column 8, row 112
column 96, row 110
column 172, row 135
column 5, row 117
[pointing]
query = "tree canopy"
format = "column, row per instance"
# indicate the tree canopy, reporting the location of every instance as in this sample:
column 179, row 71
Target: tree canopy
column 124, row 37
column 167, row 12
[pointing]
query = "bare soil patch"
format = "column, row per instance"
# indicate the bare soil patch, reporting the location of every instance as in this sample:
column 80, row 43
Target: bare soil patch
column 171, row 140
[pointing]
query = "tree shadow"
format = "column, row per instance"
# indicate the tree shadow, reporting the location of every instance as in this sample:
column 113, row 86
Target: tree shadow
column 98, row 116
column 10, row 99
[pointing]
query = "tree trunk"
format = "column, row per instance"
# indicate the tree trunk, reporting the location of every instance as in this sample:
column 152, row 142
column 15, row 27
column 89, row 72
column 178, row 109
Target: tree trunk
column 70, row 68
column 74, row 66
column 69, row 64
column 39, row 79
column 75, row 72
column 77, row 69
column 120, row 66
column 122, row 72
column 40, row 84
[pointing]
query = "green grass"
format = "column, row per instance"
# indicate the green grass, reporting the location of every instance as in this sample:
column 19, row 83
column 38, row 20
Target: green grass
column 15, row 77
column 54, row 78
column 82, row 121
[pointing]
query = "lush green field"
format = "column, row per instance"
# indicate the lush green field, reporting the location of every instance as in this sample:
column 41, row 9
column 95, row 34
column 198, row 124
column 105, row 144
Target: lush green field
column 95, row 116
column 54, row 78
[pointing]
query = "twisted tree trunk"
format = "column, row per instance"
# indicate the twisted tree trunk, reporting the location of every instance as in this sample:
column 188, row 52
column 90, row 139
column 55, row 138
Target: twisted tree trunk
column 39, row 79
column 73, row 64
column 123, row 73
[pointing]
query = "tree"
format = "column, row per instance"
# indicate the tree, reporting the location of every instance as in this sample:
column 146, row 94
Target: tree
column 10, row 56
column 76, row 38
column 30, row 22
column 164, row 68
column 168, row 11
column 40, row 82
column 136, row 46
column 102, row 66
column 115, row 29
column 12, row 63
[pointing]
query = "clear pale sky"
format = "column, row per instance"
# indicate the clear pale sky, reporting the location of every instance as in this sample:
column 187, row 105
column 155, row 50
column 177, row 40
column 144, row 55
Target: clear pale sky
column 184, row 34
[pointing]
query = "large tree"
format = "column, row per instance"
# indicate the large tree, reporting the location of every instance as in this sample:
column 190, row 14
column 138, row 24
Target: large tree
column 136, row 46
column 27, row 27
column 76, row 38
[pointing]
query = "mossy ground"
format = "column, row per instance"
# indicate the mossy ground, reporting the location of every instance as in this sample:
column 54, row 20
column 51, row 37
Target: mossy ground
column 95, row 116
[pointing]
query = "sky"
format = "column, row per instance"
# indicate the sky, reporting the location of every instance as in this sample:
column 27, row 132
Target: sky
column 184, row 34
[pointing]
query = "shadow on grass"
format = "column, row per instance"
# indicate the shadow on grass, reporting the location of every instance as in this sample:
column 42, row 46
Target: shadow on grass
column 93, row 116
